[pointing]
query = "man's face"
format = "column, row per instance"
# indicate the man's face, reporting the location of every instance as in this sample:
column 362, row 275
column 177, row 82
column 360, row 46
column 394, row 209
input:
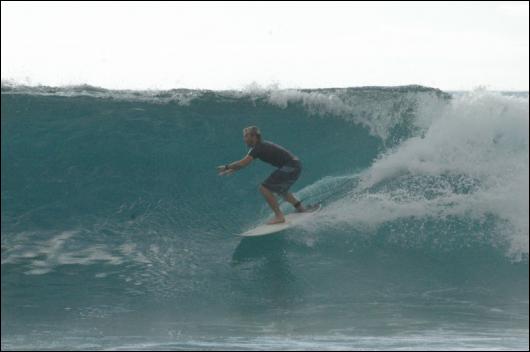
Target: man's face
column 250, row 139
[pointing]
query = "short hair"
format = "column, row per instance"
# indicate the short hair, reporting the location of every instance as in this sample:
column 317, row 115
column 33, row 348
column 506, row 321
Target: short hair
column 252, row 130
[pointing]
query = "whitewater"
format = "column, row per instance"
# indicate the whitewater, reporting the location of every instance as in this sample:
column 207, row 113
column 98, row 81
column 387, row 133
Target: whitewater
column 117, row 233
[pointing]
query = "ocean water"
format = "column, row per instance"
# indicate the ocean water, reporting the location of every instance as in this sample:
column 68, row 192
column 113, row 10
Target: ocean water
column 117, row 233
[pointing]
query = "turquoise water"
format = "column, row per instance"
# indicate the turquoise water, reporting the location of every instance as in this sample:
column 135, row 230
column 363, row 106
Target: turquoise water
column 117, row 232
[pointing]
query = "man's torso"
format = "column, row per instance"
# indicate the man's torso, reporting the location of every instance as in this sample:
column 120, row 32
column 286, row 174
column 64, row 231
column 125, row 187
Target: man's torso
column 273, row 154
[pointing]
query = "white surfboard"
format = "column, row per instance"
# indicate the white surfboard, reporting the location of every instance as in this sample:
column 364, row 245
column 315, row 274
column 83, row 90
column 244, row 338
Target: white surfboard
column 291, row 220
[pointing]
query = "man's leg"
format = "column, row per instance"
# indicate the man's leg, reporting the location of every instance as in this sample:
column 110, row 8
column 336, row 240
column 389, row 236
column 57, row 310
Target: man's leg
column 273, row 203
column 289, row 197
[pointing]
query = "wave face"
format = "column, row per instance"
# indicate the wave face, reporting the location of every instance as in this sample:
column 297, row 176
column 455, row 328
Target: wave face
column 118, row 233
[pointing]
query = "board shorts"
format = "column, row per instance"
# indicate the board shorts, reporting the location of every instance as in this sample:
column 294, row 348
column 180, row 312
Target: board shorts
column 283, row 178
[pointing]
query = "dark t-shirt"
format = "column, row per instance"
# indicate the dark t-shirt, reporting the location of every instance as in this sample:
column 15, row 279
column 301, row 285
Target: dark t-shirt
column 273, row 154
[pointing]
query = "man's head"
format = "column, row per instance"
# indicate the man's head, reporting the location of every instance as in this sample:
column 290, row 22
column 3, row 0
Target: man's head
column 251, row 135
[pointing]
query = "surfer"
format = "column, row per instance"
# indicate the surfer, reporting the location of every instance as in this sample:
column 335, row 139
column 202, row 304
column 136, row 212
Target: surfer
column 280, row 180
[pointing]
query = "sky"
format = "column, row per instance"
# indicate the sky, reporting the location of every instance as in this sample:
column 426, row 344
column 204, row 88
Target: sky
column 231, row 45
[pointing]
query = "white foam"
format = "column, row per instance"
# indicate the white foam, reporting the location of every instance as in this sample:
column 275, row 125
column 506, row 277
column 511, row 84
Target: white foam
column 64, row 248
column 479, row 142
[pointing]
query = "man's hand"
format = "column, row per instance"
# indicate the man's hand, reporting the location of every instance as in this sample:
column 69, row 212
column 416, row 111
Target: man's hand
column 236, row 165
column 223, row 171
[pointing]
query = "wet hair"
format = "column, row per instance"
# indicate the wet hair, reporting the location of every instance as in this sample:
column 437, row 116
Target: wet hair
column 252, row 130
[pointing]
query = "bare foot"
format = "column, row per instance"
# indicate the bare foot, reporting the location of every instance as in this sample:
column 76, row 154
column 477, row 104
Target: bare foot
column 276, row 220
